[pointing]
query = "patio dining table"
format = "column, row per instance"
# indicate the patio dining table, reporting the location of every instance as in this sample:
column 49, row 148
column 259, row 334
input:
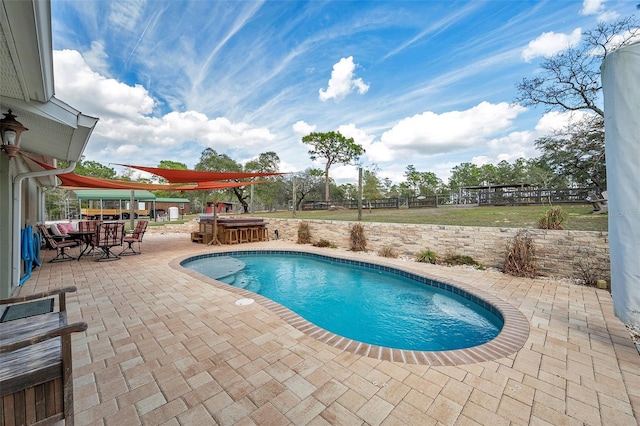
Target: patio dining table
column 83, row 237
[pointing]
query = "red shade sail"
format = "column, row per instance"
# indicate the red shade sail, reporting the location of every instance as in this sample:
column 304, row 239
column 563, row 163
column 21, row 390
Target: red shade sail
column 214, row 185
column 186, row 176
column 74, row 181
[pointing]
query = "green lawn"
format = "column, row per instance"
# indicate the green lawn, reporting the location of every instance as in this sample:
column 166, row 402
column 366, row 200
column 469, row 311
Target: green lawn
column 580, row 216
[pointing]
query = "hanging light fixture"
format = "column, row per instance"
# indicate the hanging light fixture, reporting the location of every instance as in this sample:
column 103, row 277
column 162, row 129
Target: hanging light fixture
column 10, row 130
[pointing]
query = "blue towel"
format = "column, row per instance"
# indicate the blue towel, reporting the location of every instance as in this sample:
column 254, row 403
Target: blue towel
column 36, row 249
column 28, row 243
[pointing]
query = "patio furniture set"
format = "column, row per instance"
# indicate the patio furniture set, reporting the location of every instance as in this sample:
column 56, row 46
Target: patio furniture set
column 94, row 235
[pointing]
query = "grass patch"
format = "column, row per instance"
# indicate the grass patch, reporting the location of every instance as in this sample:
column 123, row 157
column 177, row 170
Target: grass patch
column 427, row 256
column 388, row 251
column 452, row 259
column 324, row 243
column 579, row 216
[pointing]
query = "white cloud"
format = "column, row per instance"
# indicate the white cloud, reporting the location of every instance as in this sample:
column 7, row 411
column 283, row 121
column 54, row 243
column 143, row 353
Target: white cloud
column 596, row 7
column 430, row 133
column 375, row 152
column 97, row 57
column 616, row 40
column 521, row 144
column 592, row 7
column 126, row 13
column 511, row 147
column 302, row 128
column 551, row 122
column 128, row 132
column 557, row 121
column 359, row 136
column 94, row 94
column 344, row 173
column 342, row 81
column 550, row 43
column 608, row 16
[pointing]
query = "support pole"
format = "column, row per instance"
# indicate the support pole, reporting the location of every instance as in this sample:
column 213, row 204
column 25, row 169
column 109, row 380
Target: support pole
column 132, row 209
column 293, row 208
column 359, row 193
column 252, row 200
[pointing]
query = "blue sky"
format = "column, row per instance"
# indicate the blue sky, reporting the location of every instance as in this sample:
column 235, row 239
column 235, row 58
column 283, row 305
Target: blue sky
column 427, row 83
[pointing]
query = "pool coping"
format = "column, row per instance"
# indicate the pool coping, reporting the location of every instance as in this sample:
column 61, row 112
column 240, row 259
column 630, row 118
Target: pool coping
column 511, row 338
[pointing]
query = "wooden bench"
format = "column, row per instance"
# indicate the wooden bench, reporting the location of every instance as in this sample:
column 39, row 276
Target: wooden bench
column 599, row 203
column 36, row 380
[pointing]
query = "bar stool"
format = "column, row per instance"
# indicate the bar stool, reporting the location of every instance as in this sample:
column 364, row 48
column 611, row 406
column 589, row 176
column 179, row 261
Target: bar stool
column 244, row 235
column 265, row 233
column 232, row 236
column 254, row 232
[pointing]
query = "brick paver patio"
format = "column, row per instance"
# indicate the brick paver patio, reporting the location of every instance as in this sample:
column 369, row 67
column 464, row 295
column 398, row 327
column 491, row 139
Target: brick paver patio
column 164, row 347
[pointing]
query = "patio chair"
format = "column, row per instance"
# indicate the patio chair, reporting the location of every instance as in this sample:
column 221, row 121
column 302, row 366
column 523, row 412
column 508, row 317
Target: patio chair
column 36, row 381
column 109, row 235
column 134, row 237
column 59, row 246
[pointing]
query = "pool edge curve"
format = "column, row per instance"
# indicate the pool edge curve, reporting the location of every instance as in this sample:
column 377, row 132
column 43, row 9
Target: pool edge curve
column 511, row 338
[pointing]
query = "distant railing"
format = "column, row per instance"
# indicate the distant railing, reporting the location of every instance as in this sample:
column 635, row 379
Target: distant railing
column 382, row 203
column 534, row 196
column 423, row 201
column 493, row 197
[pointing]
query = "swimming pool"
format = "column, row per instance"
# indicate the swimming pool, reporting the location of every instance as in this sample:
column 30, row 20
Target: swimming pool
column 342, row 324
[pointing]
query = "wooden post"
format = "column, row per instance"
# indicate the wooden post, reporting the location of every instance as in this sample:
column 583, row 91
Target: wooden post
column 215, row 226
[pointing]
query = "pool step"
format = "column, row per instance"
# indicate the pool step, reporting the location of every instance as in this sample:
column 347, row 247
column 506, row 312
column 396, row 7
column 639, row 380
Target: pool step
column 223, row 266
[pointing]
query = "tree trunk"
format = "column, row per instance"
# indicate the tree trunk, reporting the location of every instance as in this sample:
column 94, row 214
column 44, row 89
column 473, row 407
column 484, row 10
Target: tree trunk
column 326, row 184
column 242, row 200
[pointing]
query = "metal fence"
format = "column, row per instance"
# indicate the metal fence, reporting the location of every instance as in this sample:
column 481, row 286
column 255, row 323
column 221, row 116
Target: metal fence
column 493, row 197
column 382, row 203
column 534, row 196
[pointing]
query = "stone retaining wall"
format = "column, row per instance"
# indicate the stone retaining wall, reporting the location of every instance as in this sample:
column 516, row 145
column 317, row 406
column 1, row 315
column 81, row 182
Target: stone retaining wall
column 171, row 228
column 558, row 253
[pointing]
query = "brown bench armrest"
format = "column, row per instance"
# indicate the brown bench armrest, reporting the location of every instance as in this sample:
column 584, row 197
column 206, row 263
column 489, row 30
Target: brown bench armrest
column 60, row 331
column 59, row 291
column 41, row 295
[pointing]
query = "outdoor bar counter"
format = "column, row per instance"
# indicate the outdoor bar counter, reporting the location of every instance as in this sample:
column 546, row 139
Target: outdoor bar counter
column 231, row 230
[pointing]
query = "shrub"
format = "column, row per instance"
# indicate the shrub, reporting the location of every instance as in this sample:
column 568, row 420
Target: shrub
column 520, row 256
column 553, row 219
column 324, row 243
column 459, row 259
column 388, row 251
column 427, row 256
column 358, row 240
column 588, row 271
column 304, row 233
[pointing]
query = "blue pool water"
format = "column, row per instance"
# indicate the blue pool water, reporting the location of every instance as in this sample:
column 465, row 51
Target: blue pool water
column 376, row 306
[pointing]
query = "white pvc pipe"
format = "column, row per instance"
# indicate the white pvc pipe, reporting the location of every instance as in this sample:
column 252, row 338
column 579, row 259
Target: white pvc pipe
column 17, row 215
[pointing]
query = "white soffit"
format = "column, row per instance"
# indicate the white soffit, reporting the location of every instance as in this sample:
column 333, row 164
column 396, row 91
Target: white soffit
column 26, row 50
column 55, row 129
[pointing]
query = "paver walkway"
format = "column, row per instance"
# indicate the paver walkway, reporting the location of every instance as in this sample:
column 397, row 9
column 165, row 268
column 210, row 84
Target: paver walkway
column 164, row 347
